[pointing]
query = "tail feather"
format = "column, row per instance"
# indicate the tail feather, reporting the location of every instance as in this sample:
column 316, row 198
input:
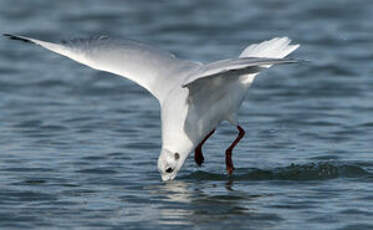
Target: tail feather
column 274, row 48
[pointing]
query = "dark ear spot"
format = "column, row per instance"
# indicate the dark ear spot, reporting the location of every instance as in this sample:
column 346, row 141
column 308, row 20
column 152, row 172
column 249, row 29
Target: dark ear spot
column 177, row 156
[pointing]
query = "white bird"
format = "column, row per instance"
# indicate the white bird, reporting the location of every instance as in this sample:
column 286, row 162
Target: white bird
column 194, row 98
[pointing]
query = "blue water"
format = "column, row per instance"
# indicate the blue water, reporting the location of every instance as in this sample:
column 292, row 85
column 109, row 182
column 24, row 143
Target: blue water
column 78, row 148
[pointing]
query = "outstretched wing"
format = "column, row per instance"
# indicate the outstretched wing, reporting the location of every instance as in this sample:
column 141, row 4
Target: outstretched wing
column 146, row 65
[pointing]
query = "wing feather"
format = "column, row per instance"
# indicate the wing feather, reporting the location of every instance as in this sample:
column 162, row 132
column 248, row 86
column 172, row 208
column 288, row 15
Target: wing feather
column 246, row 65
column 146, row 65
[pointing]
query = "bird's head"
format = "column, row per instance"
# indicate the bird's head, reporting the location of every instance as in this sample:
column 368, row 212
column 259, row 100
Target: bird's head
column 169, row 163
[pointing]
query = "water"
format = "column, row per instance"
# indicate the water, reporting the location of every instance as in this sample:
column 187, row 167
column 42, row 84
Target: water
column 79, row 147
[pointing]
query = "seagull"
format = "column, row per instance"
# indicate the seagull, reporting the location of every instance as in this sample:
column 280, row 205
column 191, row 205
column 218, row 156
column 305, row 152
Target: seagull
column 194, row 97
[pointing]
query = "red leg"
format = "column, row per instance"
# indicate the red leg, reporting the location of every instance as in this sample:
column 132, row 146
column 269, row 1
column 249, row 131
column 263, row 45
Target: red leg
column 198, row 156
column 228, row 152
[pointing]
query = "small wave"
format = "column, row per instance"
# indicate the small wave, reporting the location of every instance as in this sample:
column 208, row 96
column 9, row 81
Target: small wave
column 97, row 171
column 312, row 171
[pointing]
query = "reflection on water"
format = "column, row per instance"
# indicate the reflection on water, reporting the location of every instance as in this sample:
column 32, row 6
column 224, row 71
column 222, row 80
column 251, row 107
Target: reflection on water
column 203, row 198
column 174, row 195
column 175, row 198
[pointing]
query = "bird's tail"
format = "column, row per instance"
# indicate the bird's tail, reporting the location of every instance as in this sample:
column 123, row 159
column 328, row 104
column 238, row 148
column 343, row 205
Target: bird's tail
column 274, row 48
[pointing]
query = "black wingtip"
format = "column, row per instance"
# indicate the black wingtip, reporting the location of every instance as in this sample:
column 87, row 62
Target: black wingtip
column 14, row 37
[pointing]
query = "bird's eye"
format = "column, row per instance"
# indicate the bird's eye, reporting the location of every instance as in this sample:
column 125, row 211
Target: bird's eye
column 169, row 170
column 177, row 156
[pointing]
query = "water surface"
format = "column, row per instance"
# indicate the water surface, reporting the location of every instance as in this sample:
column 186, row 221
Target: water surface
column 78, row 148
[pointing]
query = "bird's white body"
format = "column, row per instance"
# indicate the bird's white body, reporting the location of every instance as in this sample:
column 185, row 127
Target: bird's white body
column 194, row 97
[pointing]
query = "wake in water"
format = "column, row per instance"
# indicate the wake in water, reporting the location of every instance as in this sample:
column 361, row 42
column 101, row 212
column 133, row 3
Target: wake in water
column 311, row 171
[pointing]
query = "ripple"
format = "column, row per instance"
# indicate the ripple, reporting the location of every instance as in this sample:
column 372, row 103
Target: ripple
column 28, row 196
column 325, row 157
column 29, row 124
column 97, row 171
column 358, row 226
column 51, row 83
column 294, row 172
column 7, row 71
column 366, row 124
column 20, row 169
column 356, row 212
column 93, row 16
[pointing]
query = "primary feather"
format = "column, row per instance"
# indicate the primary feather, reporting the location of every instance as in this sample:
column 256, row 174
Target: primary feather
column 146, row 65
